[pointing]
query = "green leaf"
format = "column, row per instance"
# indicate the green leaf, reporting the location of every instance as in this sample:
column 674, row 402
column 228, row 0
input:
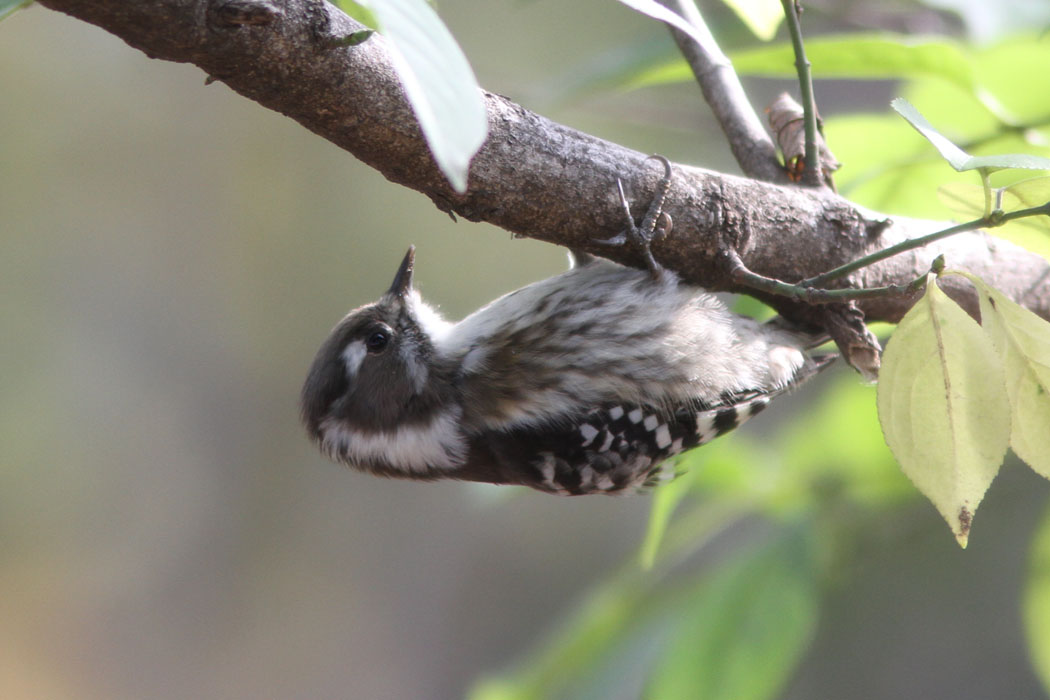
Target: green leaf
column 1036, row 606
column 1022, row 339
column 359, row 12
column 958, row 158
column 596, row 625
column 762, row 17
column 850, row 453
column 955, row 156
column 1018, row 70
column 1024, row 161
column 943, row 406
column 355, row 38
column 438, row 81
column 856, row 56
column 744, row 629
column 872, row 57
column 8, row 7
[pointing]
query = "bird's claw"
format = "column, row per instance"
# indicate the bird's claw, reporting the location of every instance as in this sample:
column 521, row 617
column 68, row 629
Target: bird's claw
column 618, row 239
column 655, row 224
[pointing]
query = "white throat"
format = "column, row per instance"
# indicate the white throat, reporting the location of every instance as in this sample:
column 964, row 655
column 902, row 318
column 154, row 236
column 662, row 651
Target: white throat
column 409, row 448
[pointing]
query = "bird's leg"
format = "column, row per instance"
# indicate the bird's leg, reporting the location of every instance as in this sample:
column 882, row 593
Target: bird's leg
column 655, row 224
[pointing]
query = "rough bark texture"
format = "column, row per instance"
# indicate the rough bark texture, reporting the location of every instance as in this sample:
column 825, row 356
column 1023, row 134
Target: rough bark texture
column 535, row 177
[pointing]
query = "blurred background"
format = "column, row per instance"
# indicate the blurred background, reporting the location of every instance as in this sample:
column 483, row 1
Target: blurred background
column 171, row 256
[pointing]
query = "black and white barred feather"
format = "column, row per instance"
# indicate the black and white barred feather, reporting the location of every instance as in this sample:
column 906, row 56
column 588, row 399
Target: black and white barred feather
column 586, row 382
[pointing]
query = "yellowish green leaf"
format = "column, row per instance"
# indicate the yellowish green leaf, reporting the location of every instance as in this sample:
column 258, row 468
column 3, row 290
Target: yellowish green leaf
column 762, row 17
column 967, row 200
column 943, row 406
column 1032, row 192
column 964, row 199
column 1023, row 341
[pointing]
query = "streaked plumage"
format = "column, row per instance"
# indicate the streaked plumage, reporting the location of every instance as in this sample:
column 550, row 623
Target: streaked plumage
column 582, row 383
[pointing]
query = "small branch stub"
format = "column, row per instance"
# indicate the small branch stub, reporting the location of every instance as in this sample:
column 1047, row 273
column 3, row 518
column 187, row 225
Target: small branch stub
column 787, row 120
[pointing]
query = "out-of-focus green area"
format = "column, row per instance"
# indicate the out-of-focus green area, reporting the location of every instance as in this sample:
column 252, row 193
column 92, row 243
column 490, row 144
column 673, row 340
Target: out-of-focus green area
column 171, row 255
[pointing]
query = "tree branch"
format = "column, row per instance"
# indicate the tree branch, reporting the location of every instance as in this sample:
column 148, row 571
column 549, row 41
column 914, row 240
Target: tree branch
column 748, row 139
column 538, row 178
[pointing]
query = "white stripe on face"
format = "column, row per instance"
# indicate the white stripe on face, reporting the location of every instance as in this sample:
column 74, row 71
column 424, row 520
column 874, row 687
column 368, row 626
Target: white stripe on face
column 353, row 355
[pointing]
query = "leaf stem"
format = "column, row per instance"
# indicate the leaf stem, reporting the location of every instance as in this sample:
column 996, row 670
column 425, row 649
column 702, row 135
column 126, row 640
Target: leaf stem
column 986, row 183
column 992, row 220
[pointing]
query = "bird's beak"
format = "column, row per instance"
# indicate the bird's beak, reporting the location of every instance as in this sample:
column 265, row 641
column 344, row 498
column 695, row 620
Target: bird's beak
column 403, row 279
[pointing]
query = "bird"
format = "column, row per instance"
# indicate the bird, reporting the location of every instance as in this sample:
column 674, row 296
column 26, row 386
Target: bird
column 586, row 382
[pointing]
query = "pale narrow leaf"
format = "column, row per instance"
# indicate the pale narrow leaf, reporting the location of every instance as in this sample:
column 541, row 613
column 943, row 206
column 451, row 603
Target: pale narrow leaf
column 1023, row 341
column 658, row 11
column 957, row 157
column 943, row 406
column 762, row 17
column 1023, row 161
column 438, row 81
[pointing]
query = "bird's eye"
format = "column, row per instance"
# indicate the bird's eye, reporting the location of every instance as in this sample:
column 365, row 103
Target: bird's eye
column 377, row 341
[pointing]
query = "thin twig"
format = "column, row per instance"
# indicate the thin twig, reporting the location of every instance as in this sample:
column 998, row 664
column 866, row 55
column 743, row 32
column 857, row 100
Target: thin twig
column 811, row 295
column 994, row 219
column 792, row 15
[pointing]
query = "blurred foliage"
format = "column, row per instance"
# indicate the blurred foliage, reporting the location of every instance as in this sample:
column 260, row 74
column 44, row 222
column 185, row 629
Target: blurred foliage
column 9, row 6
column 1037, row 601
column 739, row 627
